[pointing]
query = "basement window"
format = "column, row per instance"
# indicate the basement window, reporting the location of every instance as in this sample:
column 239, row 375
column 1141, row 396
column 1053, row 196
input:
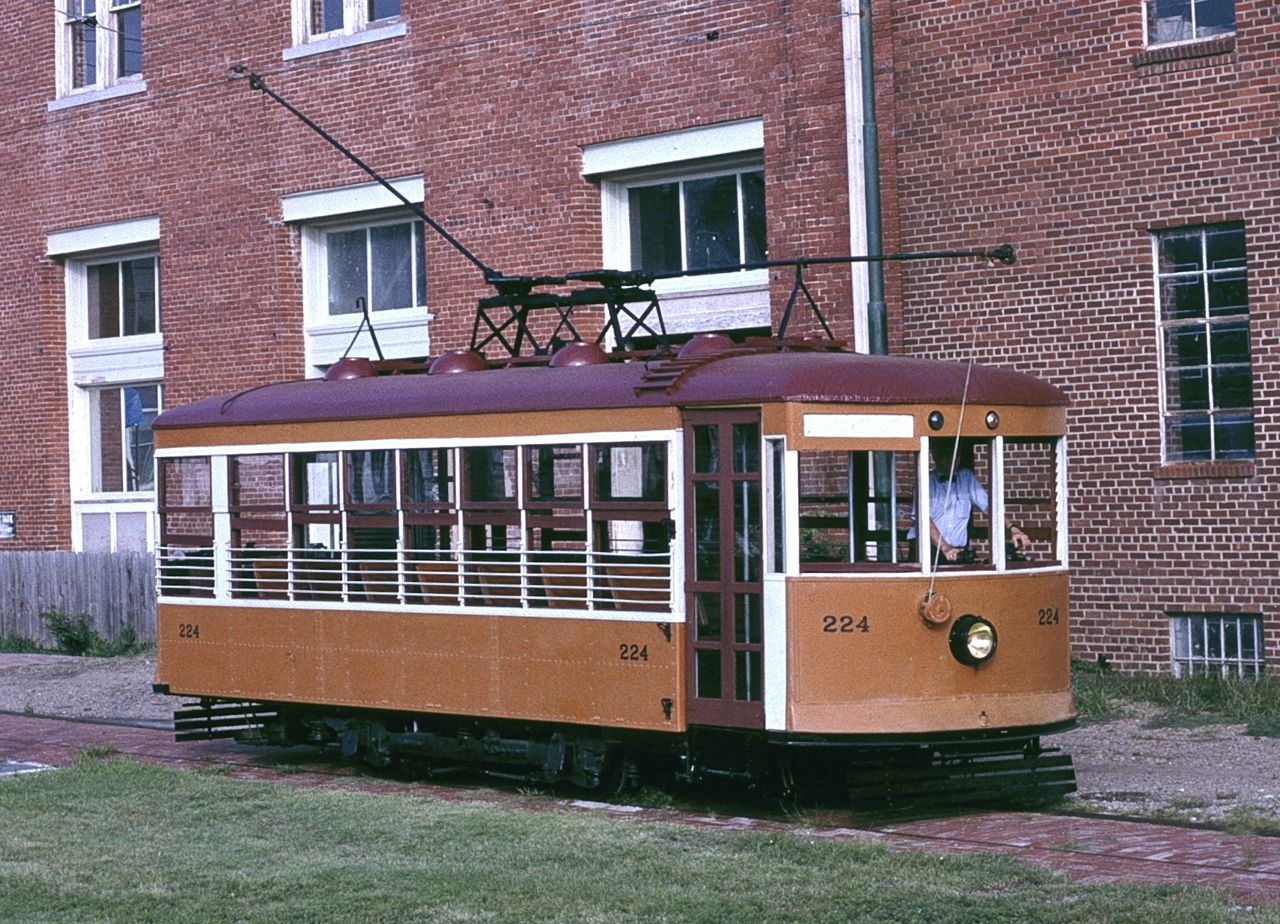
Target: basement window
column 1214, row 643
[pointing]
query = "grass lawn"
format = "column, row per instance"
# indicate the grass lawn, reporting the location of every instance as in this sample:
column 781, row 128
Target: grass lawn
column 116, row 840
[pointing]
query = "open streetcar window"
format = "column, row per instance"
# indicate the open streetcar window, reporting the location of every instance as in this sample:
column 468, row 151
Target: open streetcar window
column 959, row 522
column 856, row 509
column 430, row 525
column 186, row 527
column 259, row 527
column 556, row 525
column 564, row 525
column 372, row 523
column 1032, row 501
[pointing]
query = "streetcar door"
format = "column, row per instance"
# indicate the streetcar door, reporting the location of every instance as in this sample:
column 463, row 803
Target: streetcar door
column 725, row 650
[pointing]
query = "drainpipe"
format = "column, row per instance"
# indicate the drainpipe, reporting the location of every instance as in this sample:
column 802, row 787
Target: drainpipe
column 877, row 319
column 870, row 334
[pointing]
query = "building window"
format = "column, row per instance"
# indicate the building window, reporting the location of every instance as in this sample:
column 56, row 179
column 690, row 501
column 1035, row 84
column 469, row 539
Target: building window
column 1170, row 21
column 361, row 248
column 380, row 264
column 688, row 201
column 1210, row 643
column 115, row 361
column 122, row 298
column 1204, row 327
column 702, row 222
column 323, row 25
column 122, row 449
column 99, row 44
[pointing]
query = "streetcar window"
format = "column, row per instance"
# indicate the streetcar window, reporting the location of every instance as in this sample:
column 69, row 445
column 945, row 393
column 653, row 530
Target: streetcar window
column 489, row 476
column 856, row 508
column 430, row 532
column 372, row 525
column 186, row 502
column 316, row 518
column 259, row 527
column 960, row 505
column 629, row 473
column 1031, row 501
column 186, row 527
column 557, row 526
column 553, row 476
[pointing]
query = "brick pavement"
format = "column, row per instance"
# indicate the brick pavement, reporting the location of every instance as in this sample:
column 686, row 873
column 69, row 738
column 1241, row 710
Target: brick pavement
column 1089, row 850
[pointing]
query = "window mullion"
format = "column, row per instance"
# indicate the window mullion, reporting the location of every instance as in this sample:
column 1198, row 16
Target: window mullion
column 368, row 269
column 102, row 49
column 684, row 237
column 742, row 219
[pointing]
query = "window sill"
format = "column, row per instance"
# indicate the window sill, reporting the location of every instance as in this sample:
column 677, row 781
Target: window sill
column 1170, row 471
column 1202, row 48
column 337, row 42
column 85, row 97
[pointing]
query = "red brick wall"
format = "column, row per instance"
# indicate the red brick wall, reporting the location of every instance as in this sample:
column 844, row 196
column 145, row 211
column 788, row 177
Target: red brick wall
column 1038, row 123
column 490, row 102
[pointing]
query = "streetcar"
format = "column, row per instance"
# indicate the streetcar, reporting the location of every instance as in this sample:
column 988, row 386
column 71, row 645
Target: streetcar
column 714, row 562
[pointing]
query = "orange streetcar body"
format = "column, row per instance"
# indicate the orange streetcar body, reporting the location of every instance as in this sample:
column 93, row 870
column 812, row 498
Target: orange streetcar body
column 719, row 561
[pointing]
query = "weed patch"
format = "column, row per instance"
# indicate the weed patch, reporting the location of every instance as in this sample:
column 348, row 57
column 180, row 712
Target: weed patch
column 1185, row 701
column 75, row 635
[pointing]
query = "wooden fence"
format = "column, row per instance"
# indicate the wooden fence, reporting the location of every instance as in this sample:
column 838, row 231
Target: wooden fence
column 115, row 589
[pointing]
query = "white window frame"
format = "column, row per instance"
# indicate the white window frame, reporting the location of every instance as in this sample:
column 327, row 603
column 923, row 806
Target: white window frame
column 95, row 364
column 717, row 301
column 1204, row 273
column 357, row 29
column 402, row 333
column 109, row 83
column 1151, row 41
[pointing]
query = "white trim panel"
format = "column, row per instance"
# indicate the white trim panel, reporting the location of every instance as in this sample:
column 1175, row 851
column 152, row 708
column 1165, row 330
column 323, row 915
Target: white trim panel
column 672, row 616
column 111, row 236
column 672, row 147
column 348, row 200
column 775, row 652
column 262, row 449
column 335, row 42
column 860, row 426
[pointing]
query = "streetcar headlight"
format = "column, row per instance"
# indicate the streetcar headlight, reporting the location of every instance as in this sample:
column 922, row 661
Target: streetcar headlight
column 973, row 640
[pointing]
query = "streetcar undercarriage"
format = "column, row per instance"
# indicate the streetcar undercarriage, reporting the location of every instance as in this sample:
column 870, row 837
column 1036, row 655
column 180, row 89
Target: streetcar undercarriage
column 877, row 772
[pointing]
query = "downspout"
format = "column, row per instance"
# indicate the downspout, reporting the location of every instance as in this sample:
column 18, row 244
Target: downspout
column 877, row 315
column 861, row 153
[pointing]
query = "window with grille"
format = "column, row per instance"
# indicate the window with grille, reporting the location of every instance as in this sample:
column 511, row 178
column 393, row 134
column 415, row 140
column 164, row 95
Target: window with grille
column 1211, row 643
column 1204, row 343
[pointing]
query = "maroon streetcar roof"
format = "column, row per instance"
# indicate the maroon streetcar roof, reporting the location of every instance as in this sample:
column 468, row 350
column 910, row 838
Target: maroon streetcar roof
column 734, row 378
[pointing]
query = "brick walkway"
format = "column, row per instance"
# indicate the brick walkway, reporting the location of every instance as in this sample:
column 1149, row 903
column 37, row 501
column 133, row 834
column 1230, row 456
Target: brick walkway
column 1089, row 850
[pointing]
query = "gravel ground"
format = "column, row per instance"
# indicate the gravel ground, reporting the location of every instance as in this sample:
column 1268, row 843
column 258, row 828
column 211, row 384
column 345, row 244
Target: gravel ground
column 1206, row 773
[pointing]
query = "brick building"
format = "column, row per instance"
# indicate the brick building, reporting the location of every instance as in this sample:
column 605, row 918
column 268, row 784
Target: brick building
column 167, row 233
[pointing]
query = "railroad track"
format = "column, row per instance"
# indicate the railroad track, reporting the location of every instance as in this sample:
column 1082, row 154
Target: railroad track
column 1089, row 848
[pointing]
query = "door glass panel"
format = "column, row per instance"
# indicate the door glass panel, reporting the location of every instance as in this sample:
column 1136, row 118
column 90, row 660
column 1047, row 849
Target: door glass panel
column 706, row 449
column 707, row 628
column 706, row 531
column 746, row 448
column 747, row 676
column 707, row 670
column 748, row 619
column 746, row 531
